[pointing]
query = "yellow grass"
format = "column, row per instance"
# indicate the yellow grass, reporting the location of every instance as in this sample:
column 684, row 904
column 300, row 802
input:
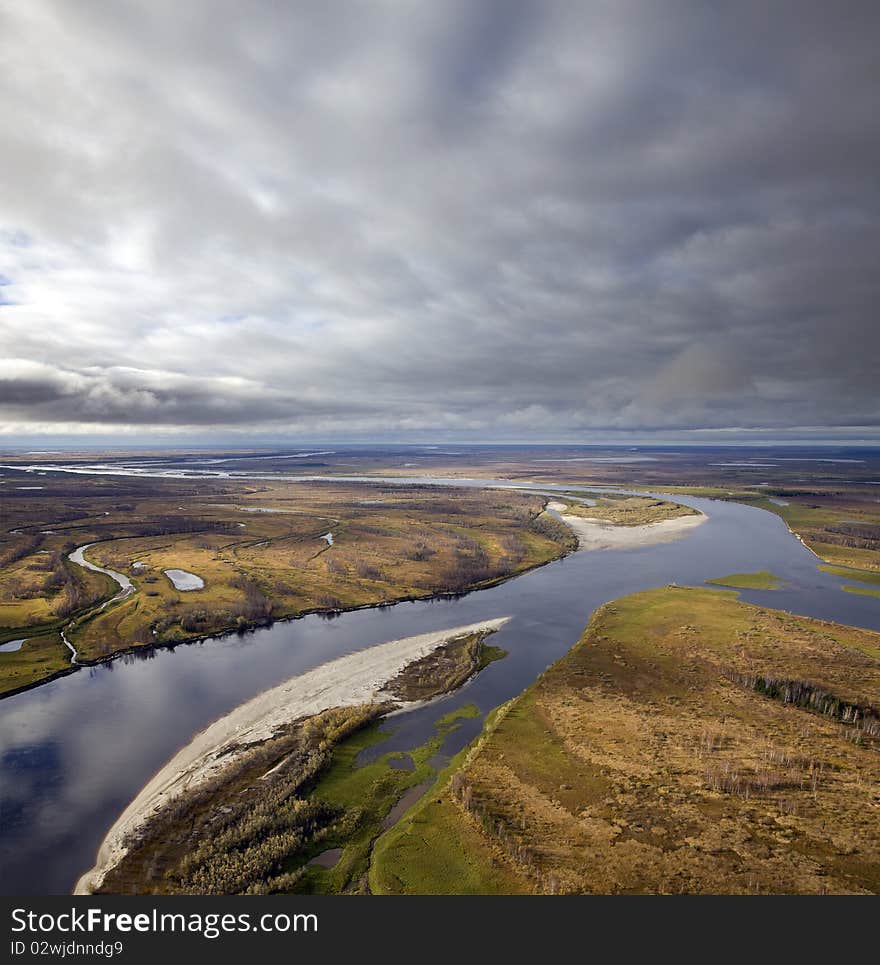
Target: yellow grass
column 630, row 510
column 645, row 761
column 389, row 544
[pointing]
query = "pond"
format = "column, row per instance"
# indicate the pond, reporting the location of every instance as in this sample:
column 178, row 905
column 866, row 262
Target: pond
column 185, row 581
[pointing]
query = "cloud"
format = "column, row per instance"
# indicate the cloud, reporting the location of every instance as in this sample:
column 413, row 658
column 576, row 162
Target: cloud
column 482, row 219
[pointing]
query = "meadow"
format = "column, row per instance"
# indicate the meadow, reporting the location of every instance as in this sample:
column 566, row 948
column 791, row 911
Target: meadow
column 689, row 743
column 265, row 550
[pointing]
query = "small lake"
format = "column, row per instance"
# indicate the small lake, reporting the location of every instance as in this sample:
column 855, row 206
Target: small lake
column 74, row 752
column 185, row 581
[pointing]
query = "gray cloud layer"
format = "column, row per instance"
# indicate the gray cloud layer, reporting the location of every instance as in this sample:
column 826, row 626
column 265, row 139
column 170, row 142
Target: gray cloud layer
column 470, row 217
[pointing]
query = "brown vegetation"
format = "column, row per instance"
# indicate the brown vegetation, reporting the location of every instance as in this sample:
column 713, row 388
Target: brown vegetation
column 688, row 743
column 444, row 669
column 258, row 547
column 252, row 827
column 234, row 834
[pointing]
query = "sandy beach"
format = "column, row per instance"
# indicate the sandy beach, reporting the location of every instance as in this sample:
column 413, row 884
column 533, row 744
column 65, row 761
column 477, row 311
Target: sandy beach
column 357, row 678
column 599, row 534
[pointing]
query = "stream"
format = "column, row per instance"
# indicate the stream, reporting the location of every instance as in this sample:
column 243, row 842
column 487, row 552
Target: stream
column 125, row 585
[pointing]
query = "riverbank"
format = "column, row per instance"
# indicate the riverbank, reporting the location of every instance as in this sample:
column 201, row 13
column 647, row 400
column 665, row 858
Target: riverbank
column 689, row 743
column 355, row 680
column 261, row 568
column 837, row 528
column 597, row 534
column 159, row 701
column 146, row 650
column 41, row 659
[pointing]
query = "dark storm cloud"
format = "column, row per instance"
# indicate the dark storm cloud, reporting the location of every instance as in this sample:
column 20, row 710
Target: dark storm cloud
column 143, row 398
column 472, row 217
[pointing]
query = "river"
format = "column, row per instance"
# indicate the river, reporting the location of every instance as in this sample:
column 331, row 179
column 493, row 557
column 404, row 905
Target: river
column 74, row 752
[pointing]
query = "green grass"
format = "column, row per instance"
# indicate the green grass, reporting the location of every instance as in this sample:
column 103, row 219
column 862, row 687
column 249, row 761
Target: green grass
column 432, row 851
column 862, row 590
column 851, row 573
column 448, row 722
column 761, row 580
column 366, row 794
column 39, row 658
column 489, row 654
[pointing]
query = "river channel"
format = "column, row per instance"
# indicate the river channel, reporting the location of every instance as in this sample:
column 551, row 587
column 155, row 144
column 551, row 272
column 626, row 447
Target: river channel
column 74, row 752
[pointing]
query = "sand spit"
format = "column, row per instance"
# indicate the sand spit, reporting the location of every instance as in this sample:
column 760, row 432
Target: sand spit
column 599, row 534
column 357, row 678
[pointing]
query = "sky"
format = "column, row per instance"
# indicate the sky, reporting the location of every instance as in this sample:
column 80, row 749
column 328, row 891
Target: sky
column 474, row 220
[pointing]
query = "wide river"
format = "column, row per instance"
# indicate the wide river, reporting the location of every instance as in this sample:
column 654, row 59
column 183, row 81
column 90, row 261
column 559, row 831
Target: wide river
column 74, row 752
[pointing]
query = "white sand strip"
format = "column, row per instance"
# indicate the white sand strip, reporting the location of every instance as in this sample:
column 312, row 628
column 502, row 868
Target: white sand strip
column 599, row 534
column 357, row 678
